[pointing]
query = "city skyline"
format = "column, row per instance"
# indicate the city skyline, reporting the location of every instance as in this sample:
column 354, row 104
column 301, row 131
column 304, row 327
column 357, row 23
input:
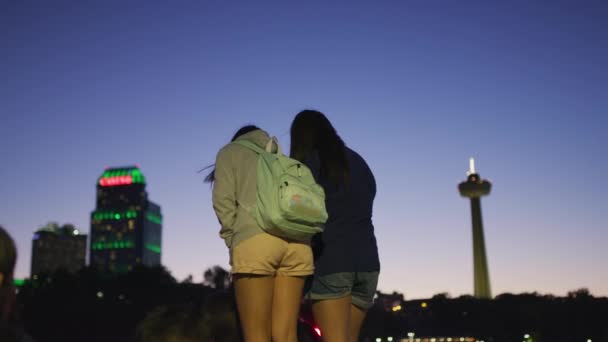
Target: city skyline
column 415, row 88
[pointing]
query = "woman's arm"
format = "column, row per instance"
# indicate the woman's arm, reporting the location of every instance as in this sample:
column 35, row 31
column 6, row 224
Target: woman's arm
column 224, row 195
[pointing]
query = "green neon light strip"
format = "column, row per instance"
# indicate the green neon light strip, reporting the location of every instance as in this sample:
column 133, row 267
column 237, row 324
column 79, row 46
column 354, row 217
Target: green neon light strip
column 153, row 248
column 136, row 175
column 114, row 215
column 19, row 282
column 121, row 244
column 154, row 218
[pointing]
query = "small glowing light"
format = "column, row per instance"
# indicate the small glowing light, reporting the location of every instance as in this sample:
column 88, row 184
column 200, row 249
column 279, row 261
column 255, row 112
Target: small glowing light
column 588, row 340
column 471, row 166
column 461, row 339
column 389, row 339
column 318, row 331
column 378, row 339
column 410, row 334
column 76, row 232
column 397, row 308
column 432, row 339
column 423, row 305
column 527, row 336
column 449, row 339
column 99, row 294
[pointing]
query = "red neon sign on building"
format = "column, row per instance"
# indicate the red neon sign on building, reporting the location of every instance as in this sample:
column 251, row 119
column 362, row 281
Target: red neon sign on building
column 114, row 181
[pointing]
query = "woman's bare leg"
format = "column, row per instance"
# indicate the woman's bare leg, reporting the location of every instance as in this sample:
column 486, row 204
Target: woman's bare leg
column 254, row 302
column 286, row 307
column 333, row 317
column 357, row 315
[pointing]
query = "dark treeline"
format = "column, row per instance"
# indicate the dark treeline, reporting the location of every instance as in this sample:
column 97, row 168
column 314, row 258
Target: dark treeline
column 508, row 317
column 93, row 306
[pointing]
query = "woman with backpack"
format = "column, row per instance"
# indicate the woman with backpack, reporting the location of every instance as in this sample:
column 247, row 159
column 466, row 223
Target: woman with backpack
column 346, row 254
column 268, row 271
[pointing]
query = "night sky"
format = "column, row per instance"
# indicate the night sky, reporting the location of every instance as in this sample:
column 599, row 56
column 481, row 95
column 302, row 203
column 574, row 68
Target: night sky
column 416, row 87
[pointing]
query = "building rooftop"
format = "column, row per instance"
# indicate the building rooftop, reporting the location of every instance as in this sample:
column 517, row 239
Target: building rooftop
column 55, row 228
column 121, row 176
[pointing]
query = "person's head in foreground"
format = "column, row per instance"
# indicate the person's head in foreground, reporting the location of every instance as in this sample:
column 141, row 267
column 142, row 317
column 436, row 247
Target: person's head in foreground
column 8, row 316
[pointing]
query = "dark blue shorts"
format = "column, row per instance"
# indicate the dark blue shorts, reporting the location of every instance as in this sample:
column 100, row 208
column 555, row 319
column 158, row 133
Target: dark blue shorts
column 361, row 286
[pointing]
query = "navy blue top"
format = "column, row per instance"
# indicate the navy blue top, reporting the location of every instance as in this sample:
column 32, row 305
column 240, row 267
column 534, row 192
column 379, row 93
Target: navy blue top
column 348, row 243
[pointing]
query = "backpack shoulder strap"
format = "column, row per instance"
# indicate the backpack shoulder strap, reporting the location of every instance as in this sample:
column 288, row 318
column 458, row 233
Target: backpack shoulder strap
column 248, row 144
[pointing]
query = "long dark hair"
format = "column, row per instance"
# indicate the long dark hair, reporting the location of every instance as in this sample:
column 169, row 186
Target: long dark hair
column 8, row 258
column 210, row 178
column 312, row 132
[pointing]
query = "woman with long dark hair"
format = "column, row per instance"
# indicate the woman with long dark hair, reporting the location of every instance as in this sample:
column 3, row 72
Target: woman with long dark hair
column 346, row 254
column 268, row 271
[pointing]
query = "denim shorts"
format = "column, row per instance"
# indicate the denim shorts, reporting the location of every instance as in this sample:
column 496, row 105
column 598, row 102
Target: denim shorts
column 361, row 286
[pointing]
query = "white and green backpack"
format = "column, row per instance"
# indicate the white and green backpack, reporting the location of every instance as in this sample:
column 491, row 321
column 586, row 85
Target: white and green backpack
column 289, row 204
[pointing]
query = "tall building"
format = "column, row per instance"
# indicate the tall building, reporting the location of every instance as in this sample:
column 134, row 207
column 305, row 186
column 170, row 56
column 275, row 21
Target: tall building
column 474, row 188
column 55, row 247
column 126, row 227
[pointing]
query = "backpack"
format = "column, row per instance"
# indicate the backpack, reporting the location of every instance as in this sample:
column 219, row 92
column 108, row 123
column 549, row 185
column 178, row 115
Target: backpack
column 289, row 203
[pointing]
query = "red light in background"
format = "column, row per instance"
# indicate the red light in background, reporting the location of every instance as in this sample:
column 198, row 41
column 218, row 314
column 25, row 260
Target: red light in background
column 114, row 181
column 318, row 331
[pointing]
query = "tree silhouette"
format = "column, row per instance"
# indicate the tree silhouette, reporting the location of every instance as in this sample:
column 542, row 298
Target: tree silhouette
column 217, row 278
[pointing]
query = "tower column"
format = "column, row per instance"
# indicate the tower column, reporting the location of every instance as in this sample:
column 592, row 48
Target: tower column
column 480, row 262
column 474, row 188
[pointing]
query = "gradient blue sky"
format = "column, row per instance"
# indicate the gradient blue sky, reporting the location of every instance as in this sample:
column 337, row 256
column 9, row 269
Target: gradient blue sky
column 417, row 87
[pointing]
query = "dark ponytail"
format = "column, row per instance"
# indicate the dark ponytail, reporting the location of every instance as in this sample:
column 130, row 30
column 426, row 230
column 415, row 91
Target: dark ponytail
column 312, row 132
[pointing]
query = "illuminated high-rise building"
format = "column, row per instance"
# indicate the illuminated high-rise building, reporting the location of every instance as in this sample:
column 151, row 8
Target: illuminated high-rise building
column 57, row 247
column 126, row 228
column 474, row 188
